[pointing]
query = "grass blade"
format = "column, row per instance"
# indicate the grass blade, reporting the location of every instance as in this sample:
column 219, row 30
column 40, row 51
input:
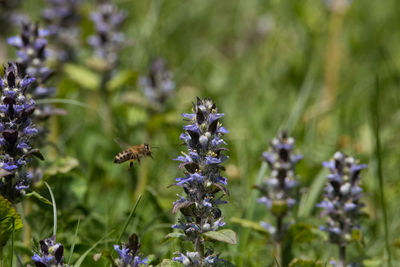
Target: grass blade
column 379, row 171
column 54, row 209
column 129, row 219
column 299, row 106
column 309, row 199
column 74, row 241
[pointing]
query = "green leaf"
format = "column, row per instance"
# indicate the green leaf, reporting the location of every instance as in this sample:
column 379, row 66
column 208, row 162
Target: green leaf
column 172, row 236
column 224, row 235
column 374, row 262
column 250, row 224
column 305, row 263
column 279, row 208
column 39, row 197
column 122, row 78
column 8, row 215
column 170, row 263
column 356, row 235
column 83, row 76
column 61, row 165
column 301, row 233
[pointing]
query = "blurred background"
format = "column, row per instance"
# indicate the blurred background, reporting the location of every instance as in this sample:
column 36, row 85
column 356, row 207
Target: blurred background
column 325, row 71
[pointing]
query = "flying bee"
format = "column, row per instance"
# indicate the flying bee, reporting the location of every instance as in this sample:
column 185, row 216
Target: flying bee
column 133, row 153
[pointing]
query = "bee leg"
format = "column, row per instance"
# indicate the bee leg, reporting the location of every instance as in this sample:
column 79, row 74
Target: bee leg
column 138, row 160
column 130, row 164
column 151, row 156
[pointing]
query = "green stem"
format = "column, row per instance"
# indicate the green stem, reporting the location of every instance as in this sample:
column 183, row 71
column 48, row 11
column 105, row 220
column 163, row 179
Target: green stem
column 279, row 233
column 12, row 244
column 378, row 154
column 342, row 256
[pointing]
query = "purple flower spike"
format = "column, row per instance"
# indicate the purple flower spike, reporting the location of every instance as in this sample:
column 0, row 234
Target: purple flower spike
column 15, row 124
column 202, row 181
column 341, row 198
column 277, row 189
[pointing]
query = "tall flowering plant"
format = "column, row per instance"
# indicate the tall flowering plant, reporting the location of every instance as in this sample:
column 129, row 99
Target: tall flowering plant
column 202, row 182
column 17, row 131
column 107, row 40
column 62, row 19
column 341, row 205
column 159, row 85
column 277, row 188
column 32, row 55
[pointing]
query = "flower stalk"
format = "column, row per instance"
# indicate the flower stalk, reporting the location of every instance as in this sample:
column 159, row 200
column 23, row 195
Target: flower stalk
column 341, row 205
column 277, row 189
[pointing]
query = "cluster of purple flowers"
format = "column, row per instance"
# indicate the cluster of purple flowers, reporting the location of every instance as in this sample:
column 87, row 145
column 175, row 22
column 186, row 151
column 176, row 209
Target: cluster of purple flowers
column 62, row 19
column 159, row 84
column 50, row 255
column 32, row 55
column 341, row 204
column 129, row 253
column 202, row 181
column 17, row 132
column 277, row 188
column 108, row 39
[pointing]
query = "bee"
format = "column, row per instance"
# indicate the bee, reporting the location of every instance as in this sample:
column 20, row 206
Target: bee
column 133, row 153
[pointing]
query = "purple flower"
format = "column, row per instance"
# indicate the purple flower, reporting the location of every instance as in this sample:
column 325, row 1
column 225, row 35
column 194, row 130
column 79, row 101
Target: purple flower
column 222, row 130
column 212, row 160
column 51, row 254
column 9, row 166
column 191, row 127
column 189, row 116
column 30, row 131
column 215, row 116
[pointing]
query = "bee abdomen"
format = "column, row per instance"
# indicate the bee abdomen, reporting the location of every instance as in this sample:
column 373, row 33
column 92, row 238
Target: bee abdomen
column 122, row 157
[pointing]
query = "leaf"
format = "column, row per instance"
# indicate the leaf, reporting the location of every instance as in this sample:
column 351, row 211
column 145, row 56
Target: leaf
column 83, row 76
column 305, row 263
column 250, row 224
column 171, row 236
column 122, row 78
column 4, row 173
column 8, row 215
column 301, row 233
column 39, row 197
column 224, row 235
column 170, row 263
column 61, row 165
column 356, row 235
column 279, row 208
column 35, row 152
column 182, row 205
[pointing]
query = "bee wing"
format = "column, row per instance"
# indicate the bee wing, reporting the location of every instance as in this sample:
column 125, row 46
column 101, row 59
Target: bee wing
column 123, row 145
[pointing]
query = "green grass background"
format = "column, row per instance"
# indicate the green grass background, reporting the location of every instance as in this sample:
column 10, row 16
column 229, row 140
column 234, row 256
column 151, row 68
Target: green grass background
column 266, row 64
